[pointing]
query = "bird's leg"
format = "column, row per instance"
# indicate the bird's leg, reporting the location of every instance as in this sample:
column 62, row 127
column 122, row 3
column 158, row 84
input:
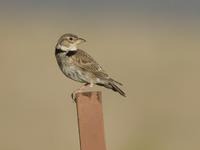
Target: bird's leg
column 73, row 95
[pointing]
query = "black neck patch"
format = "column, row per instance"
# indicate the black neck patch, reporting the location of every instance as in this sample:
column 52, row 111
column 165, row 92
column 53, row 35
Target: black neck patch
column 68, row 53
column 58, row 51
column 71, row 53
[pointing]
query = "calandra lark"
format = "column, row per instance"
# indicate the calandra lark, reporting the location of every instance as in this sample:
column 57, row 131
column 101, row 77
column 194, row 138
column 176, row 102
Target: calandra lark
column 77, row 65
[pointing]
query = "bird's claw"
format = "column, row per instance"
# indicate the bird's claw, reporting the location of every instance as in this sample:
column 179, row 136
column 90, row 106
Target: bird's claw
column 73, row 96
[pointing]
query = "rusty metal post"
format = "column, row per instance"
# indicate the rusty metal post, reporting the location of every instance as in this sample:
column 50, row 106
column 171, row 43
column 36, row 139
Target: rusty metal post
column 90, row 121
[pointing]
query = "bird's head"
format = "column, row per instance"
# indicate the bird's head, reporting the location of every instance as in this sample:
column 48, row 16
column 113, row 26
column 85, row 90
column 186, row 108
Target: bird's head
column 69, row 42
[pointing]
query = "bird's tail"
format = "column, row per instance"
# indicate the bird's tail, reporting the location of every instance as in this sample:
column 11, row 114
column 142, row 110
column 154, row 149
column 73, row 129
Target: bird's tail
column 115, row 88
column 112, row 85
column 112, row 80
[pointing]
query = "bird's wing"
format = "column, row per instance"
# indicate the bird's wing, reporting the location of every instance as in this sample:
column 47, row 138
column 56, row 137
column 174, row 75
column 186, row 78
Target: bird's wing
column 86, row 62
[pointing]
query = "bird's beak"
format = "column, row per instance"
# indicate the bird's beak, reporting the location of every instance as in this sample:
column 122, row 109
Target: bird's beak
column 80, row 40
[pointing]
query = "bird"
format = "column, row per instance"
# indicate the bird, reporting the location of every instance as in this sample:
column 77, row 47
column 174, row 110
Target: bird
column 78, row 65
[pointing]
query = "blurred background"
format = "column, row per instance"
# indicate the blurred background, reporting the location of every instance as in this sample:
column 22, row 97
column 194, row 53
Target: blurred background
column 152, row 46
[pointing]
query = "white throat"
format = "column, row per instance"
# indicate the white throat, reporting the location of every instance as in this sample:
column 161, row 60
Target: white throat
column 70, row 48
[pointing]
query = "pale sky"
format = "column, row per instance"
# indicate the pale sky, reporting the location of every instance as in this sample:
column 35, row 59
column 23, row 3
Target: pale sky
column 185, row 8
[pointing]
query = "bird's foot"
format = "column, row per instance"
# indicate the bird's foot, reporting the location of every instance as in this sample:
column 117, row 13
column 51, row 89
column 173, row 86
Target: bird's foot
column 73, row 95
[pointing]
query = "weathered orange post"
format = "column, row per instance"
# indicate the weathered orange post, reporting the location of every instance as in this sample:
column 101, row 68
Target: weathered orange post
column 90, row 121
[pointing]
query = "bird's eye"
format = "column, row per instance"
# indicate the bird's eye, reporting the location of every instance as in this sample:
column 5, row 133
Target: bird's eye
column 70, row 38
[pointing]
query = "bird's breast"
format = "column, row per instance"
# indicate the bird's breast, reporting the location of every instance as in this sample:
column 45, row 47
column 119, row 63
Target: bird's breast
column 68, row 68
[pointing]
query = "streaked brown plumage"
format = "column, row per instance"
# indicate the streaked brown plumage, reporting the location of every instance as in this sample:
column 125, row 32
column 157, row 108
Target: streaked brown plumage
column 80, row 66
